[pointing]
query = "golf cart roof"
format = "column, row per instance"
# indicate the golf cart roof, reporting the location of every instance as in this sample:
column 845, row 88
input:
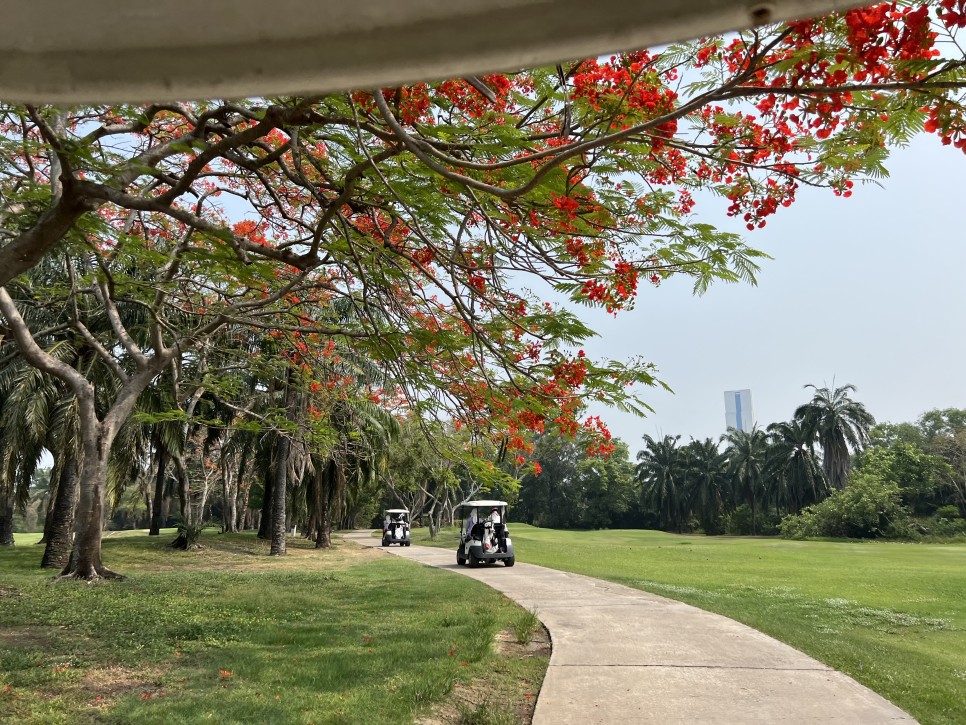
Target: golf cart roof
column 483, row 504
column 397, row 511
column 86, row 52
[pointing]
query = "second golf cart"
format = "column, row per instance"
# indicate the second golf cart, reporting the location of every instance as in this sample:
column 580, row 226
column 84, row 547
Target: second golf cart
column 484, row 538
column 395, row 527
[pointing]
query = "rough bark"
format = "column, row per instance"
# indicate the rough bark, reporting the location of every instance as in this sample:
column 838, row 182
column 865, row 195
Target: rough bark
column 243, row 490
column 327, row 481
column 243, row 514
column 278, row 497
column 60, row 533
column 85, row 561
column 183, row 486
column 265, row 515
column 157, row 514
column 6, row 517
column 229, row 497
column 51, row 500
column 332, row 500
column 26, row 250
column 318, row 500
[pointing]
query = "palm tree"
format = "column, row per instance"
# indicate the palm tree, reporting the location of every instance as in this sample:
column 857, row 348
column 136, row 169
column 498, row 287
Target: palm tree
column 747, row 452
column 840, row 424
column 793, row 465
column 661, row 476
column 38, row 413
column 707, row 481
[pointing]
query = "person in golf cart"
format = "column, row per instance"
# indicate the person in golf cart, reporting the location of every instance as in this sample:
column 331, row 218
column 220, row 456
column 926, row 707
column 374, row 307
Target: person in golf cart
column 484, row 537
column 395, row 527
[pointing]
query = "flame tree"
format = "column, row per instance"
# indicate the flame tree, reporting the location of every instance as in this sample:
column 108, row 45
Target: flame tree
column 407, row 222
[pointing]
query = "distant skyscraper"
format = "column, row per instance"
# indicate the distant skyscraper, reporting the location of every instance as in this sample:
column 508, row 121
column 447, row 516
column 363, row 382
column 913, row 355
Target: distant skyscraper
column 738, row 412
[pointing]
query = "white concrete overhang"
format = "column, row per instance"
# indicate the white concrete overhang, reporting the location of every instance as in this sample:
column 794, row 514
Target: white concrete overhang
column 106, row 51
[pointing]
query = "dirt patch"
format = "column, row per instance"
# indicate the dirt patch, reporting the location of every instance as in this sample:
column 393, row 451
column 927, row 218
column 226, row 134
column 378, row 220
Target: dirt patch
column 105, row 683
column 538, row 646
column 244, row 553
column 8, row 593
column 26, row 637
column 492, row 699
column 97, row 686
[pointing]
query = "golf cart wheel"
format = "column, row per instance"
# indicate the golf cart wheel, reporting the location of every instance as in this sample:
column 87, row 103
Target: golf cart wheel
column 474, row 562
column 460, row 561
column 385, row 542
column 510, row 561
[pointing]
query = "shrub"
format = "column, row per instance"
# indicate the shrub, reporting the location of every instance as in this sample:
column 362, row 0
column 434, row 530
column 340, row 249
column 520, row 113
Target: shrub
column 740, row 522
column 868, row 507
column 947, row 523
column 950, row 513
column 803, row 525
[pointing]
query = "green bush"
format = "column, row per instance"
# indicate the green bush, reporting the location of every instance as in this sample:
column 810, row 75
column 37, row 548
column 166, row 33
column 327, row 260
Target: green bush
column 920, row 476
column 803, row 525
column 740, row 522
column 867, row 508
column 950, row 513
column 947, row 523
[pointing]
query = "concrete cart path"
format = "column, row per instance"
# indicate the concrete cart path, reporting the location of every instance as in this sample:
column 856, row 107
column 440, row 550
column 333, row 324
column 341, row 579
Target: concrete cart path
column 623, row 655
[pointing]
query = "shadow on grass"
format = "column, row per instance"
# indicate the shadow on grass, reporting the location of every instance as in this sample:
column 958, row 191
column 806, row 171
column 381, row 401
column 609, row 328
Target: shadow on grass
column 318, row 636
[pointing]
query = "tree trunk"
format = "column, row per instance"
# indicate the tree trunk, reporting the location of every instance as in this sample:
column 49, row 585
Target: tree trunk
column 229, row 497
column 241, row 507
column 51, row 497
column 310, row 529
column 278, row 497
column 85, row 560
column 280, row 488
column 157, row 514
column 326, row 510
column 336, row 496
column 184, row 487
column 265, row 515
column 6, row 516
column 187, row 537
column 433, row 520
column 320, row 507
column 60, row 533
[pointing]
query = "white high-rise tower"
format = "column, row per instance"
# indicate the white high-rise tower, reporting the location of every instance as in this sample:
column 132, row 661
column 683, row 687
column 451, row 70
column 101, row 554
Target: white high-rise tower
column 738, row 411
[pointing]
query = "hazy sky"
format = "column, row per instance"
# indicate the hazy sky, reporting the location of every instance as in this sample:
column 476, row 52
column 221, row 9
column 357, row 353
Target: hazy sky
column 869, row 290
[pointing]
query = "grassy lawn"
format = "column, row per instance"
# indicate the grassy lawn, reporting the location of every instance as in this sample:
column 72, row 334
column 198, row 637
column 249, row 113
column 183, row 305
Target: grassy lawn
column 228, row 634
column 893, row 616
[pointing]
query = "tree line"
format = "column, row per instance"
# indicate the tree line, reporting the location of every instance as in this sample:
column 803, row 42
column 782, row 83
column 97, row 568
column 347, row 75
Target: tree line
column 828, row 471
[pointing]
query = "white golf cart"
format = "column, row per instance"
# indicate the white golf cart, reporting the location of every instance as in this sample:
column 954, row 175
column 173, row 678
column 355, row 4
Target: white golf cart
column 395, row 527
column 484, row 538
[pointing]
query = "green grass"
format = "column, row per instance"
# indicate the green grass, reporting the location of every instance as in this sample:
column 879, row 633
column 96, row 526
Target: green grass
column 891, row 615
column 524, row 625
column 229, row 634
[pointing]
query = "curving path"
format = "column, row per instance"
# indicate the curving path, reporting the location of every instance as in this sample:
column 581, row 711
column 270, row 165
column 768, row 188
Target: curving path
column 620, row 654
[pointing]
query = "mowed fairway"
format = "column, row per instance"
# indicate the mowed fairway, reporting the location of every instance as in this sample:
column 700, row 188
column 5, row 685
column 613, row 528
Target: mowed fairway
column 230, row 635
column 893, row 616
